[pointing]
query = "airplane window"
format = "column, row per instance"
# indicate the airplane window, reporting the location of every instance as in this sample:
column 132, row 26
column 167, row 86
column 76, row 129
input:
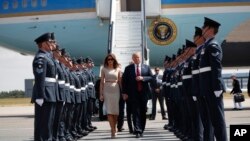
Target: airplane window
column 34, row 3
column 15, row 4
column 24, row 3
column 5, row 5
column 44, row 3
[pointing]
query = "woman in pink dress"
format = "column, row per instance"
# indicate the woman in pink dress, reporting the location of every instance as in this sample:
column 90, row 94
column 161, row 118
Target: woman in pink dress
column 110, row 90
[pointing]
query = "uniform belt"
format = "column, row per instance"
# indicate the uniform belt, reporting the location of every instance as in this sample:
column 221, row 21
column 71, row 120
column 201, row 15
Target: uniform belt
column 83, row 88
column 186, row 76
column 78, row 90
column 195, row 71
column 67, row 84
column 172, row 86
column 111, row 81
column 48, row 79
column 61, row 82
column 179, row 83
column 91, row 83
column 205, row 69
column 168, row 84
column 72, row 87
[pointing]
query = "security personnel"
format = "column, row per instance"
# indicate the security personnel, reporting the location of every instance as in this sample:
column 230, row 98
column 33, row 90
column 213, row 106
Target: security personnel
column 203, row 125
column 211, row 82
column 44, row 89
column 157, row 94
column 60, row 94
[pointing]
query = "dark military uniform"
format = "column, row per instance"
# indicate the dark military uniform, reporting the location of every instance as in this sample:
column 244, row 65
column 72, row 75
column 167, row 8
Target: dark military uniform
column 60, row 96
column 211, row 81
column 44, row 88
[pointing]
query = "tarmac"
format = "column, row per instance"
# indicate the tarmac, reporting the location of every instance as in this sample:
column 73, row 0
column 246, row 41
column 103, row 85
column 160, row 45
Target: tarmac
column 17, row 124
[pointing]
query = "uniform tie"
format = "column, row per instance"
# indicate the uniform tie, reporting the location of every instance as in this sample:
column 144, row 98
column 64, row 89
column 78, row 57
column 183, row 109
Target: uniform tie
column 139, row 84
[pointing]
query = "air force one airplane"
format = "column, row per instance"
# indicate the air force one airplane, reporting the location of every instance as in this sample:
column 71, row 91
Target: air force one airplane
column 95, row 27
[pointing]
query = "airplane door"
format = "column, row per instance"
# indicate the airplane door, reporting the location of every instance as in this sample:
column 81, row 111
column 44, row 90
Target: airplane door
column 103, row 8
column 153, row 7
column 133, row 5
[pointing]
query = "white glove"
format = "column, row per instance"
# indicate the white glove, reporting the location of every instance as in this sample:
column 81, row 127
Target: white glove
column 194, row 98
column 63, row 103
column 39, row 101
column 218, row 93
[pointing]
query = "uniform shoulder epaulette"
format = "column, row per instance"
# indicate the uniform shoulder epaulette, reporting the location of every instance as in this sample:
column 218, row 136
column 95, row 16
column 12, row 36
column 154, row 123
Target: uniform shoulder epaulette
column 40, row 55
column 213, row 43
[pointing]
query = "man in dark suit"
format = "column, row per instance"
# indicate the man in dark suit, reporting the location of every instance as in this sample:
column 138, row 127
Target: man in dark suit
column 157, row 94
column 211, row 82
column 135, row 87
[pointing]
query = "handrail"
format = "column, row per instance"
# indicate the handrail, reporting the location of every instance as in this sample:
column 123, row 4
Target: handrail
column 143, row 31
column 110, row 37
column 111, row 25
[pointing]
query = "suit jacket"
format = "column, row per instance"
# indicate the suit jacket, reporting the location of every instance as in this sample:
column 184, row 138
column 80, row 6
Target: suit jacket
column 129, row 82
column 236, row 87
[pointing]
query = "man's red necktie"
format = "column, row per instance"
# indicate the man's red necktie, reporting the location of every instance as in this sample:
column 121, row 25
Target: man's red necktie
column 139, row 83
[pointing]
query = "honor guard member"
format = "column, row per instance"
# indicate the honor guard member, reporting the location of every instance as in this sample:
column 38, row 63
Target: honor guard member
column 70, row 109
column 211, row 82
column 60, row 94
column 203, row 125
column 44, row 89
column 78, row 100
column 68, row 104
column 83, row 81
column 166, row 87
column 91, row 92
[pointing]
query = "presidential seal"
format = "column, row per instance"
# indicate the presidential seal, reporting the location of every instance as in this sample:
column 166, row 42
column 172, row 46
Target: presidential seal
column 162, row 31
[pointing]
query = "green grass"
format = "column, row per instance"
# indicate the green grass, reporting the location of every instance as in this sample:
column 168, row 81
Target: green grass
column 15, row 102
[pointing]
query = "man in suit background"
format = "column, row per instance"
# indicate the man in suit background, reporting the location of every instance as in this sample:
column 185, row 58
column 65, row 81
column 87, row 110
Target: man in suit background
column 136, row 88
column 157, row 94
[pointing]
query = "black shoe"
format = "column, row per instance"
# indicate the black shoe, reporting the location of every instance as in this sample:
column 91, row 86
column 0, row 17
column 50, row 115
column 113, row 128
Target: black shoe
column 137, row 135
column 84, row 133
column 94, row 127
column 89, row 129
column 120, row 129
column 164, row 118
column 141, row 135
column 131, row 131
column 152, row 118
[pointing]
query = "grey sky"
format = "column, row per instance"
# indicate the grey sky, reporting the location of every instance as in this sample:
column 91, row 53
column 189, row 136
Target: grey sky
column 14, row 69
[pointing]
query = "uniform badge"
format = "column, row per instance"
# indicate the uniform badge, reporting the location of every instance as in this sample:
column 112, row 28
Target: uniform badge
column 39, row 69
column 215, row 54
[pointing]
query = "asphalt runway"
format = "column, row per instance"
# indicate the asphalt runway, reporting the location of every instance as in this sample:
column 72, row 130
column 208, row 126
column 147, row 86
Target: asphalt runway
column 16, row 124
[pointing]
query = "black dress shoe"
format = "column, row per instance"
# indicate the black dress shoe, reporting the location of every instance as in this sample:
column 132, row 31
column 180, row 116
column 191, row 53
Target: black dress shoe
column 120, row 129
column 164, row 118
column 89, row 129
column 131, row 131
column 94, row 127
column 137, row 135
column 141, row 135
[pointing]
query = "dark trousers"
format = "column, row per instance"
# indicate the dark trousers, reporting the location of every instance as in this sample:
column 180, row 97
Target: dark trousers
column 129, row 116
column 120, row 121
column 68, row 118
column 158, row 96
column 197, row 127
column 84, row 115
column 76, row 112
column 169, row 111
column 216, row 109
column 89, row 111
column 58, row 114
column 208, row 132
column 44, row 119
column 139, row 108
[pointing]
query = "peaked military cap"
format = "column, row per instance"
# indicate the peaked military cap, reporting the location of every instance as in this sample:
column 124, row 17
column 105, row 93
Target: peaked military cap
column 179, row 52
column 88, row 59
column 210, row 23
column 79, row 60
column 190, row 44
column 73, row 60
column 166, row 58
column 198, row 31
column 173, row 57
column 44, row 37
column 53, row 36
